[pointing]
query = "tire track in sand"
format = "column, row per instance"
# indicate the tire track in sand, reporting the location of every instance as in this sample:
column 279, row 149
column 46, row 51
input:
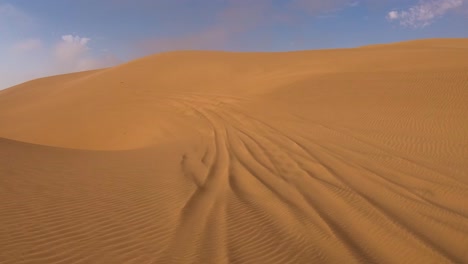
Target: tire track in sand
column 282, row 165
column 205, row 204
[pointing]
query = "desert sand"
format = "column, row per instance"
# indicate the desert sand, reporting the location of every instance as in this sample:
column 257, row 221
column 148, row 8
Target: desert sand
column 326, row 156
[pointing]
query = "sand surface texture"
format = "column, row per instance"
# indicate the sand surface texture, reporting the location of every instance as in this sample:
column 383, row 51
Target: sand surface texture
column 330, row 156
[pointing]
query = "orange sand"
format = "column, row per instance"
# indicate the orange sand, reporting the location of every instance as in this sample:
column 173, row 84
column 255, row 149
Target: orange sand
column 330, row 156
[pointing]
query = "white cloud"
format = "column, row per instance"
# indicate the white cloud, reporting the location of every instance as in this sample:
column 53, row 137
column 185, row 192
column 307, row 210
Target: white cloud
column 27, row 45
column 72, row 53
column 71, row 48
column 392, row 15
column 33, row 58
column 424, row 13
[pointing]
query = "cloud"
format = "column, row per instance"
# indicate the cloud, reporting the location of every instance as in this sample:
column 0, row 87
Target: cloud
column 27, row 45
column 71, row 48
column 33, row 58
column 424, row 13
column 72, row 53
column 392, row 15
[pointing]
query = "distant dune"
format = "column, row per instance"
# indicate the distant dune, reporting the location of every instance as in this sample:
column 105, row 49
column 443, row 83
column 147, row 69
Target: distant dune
column 329, row 156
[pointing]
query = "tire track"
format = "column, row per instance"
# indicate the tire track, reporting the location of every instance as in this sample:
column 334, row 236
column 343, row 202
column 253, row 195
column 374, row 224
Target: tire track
column 251, row 150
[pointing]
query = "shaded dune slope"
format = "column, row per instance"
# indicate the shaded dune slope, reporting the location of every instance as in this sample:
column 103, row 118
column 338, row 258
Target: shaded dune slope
column 332, row 156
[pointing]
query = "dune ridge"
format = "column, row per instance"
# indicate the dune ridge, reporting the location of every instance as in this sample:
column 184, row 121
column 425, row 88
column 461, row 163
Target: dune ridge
column 329, row 156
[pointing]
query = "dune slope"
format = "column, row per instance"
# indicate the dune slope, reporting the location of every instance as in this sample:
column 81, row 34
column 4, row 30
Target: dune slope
column 332, row 156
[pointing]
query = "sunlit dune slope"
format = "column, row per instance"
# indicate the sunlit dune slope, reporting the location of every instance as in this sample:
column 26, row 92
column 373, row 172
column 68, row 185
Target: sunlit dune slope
column 327, row 156
column 129, row 106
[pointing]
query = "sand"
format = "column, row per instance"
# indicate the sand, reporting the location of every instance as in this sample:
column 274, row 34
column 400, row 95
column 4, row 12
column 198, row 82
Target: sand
column 327, row 156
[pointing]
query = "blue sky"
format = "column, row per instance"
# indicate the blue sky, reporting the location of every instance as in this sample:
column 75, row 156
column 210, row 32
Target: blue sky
column 48, row 37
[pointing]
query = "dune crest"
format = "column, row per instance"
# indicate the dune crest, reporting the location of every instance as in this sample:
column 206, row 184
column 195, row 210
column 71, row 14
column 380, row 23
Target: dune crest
column 330, row 156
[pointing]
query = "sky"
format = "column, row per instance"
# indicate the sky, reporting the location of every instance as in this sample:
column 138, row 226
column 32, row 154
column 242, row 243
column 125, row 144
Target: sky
column 50, row 37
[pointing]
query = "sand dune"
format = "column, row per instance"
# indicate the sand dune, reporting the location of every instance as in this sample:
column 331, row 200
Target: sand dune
column 331, row 156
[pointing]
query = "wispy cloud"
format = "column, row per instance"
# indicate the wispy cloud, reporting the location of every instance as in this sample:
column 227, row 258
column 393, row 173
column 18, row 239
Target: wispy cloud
column 33, row 58
column 72, row 53
column 26, row 53
column 27, row 45
column 424, row 13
